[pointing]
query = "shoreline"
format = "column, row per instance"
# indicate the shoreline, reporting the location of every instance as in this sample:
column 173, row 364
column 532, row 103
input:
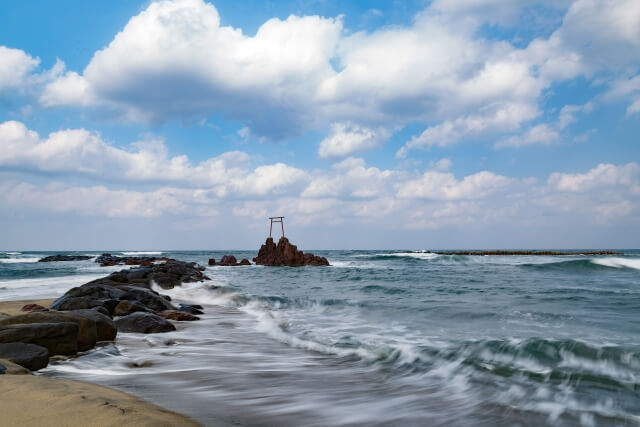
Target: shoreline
column 34, row 400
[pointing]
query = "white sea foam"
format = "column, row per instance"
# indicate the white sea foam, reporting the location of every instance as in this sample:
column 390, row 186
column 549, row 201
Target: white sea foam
column 616, row 262
column 18, row 260
column 45, row 287
column 142, row 253
column 418, row 255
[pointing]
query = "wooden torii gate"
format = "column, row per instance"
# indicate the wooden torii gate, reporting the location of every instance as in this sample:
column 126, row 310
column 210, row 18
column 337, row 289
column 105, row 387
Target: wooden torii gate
column 276, row 219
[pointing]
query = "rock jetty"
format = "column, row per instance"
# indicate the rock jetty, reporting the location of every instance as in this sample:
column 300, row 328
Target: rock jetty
column 526, row 253
column 286, row 254
column 95, row 312
column 52, row 258
column 229, row 260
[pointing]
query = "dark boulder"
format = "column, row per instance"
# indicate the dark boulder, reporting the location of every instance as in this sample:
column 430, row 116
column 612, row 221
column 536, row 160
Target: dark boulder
column 189, row 308
column 57, row 338
column 147, row 298
column 228, row 260
column 144, row 323
column 68, row 303
column 30, row 356
column 286, row 254
column 87, row 334
column 58, row 257
column 125, row 307
column 177, row 315
column 212, row 261
column 105, row 327
column 244, row 262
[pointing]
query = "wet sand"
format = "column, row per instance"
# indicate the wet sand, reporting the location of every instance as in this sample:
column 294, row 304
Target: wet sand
column 13, row 308
column 36, row 400
column 30, row 400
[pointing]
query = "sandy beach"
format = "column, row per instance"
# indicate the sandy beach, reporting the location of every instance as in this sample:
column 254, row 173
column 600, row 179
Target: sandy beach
column 30, row 400
column 35, row 400
column 13, row 308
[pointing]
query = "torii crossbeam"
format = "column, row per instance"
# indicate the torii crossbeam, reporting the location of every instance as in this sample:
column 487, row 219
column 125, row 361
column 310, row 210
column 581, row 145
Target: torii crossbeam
column 276, row 219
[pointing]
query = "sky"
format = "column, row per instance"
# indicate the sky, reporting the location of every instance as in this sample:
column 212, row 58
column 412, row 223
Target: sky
column 185, row 124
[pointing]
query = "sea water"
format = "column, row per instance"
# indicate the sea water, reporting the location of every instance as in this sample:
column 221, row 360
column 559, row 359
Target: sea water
column 397, row 338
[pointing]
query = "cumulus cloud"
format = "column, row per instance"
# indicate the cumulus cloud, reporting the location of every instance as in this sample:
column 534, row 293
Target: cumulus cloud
column 15, row 67
column 539, row 134
column 349, row 138
column 175, row 60
column 603, row 175
column 80, row 152
column 444, row 186
column 350, row 178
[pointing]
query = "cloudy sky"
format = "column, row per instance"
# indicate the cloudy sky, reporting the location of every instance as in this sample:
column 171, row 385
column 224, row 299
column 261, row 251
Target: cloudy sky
column 184, row 124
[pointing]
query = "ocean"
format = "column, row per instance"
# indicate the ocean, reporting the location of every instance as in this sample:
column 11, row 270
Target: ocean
column 379, row 338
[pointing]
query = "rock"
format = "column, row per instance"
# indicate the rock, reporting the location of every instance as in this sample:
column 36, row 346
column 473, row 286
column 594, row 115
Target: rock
column 127, row 307
column 244, row 262
column 57, row 338
column 32, row 307
column 147, row 298
column 87, row 334
column 177, row 315
column 58, row 257
column 11, row 368
column 228, row 260
column 30, row 356
column 68, row 303
column 212, row 261
column 286, row 254
column 144, row 323
column 104, row 311
column 96, row 290
column 105, row 327
column 193, row 309
column 167, row 275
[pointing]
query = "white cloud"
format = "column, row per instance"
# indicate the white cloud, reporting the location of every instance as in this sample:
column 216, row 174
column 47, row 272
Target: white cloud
column 16, row 67
column 605, row 32
column 603, row 175
column 69, row 88
column 175, row 60
column 634, row 108
column 349, row 138
column 350, row 179
column 444, row 186
column 500, row 118
column 93, row 201
column 78, row 151
column 539, row 134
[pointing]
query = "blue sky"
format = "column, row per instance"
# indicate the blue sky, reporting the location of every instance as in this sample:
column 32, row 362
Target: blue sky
column 446, row 124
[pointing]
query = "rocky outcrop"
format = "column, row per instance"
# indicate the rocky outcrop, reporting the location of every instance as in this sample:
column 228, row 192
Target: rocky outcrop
column 229, row 261
column 53, row 258
column 30, row 356
column 58, row 338
column 105, row 327
column 191, row 308
column 144, row 323
column 107, row 259
column 87, row 335
column 286, row 254
column 178, row 315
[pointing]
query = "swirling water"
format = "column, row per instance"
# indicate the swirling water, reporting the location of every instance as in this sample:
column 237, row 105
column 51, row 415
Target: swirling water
column 380, row 338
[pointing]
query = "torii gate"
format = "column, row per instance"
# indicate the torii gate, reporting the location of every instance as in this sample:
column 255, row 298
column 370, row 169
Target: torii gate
column 276, row 219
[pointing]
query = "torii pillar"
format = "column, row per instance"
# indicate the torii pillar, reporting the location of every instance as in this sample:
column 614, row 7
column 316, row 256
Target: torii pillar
column 276, row 219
